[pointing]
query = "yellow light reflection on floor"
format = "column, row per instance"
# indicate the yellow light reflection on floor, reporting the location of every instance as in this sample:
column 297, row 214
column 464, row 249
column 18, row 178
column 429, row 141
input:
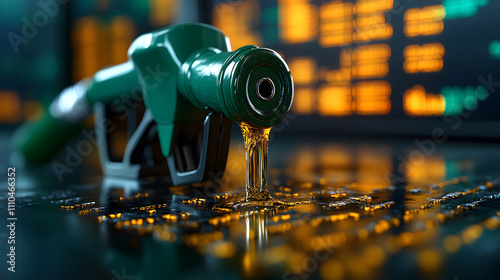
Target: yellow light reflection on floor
column 373, row 97
column 368, row 98
column 332, row 270
column 335, row 100
column 237, row 21
column 373, row 163
column 416, row 102
column 452, row 243
column 424, row 21
column 303, row 165
column 425, row 169
column 336, row 163
column 424, row 58
column 297, row 21
column 429, row 260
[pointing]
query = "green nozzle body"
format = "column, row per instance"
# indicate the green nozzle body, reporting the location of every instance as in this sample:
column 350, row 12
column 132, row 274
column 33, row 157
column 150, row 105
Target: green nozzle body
column 180, row 71
column 250, row 85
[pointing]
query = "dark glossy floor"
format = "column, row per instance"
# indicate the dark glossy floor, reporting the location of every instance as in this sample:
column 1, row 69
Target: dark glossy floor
column 369, row 209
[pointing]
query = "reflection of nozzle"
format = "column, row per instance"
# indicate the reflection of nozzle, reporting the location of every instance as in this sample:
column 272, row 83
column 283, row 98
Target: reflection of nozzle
column 251, row 85
column 256, row 240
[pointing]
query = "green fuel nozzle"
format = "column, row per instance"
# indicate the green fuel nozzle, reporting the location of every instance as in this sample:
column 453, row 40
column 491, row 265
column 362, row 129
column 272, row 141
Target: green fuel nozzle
column 191, row 84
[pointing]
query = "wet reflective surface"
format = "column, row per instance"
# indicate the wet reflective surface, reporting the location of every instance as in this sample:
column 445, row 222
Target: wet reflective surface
column 369, row 209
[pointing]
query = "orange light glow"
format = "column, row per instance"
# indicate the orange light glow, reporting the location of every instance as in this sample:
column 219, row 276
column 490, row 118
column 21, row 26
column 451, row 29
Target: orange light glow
column 32, row 110
column 97, row 44
column 374, row 32
column 371, row 61
column 237, row 20
column 338, row 27
column 297, row 21
column 416, row 102
column 367, row 98
column 370, row 19
column 372, row 164
column 304, row 100
column 371, row 6
column 335, row 100
column 431, row 169
column 304, row 164
column 85, row 41
column 303, row 70
column 371, row 22
column 123, row 34
column 425, row 21
column 372, row 97
column 344, row 72
column 336, row 163
column 10, row 107
column 425, row 58
column 162, row 12
column 336, row 24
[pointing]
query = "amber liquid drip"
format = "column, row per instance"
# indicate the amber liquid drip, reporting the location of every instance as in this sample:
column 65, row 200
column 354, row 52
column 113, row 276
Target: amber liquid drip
column 256, row 145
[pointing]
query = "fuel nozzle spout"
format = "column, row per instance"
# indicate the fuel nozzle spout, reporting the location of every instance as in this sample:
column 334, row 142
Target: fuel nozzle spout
column 250, row 85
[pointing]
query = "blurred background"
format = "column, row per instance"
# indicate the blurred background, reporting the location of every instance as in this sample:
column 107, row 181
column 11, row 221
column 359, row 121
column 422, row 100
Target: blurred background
column 392, row 138
column 390, row 67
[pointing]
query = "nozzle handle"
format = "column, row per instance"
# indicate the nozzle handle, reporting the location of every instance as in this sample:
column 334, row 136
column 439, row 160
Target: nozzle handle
column 40, row 140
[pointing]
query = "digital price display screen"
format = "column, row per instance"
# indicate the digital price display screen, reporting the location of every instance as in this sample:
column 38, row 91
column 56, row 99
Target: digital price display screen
column 381, row 66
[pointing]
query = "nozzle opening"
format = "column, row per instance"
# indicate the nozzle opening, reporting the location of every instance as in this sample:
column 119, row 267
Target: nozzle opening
column 265, row 89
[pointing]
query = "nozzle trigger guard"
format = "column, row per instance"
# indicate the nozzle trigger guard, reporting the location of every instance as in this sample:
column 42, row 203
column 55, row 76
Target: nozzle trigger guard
column 199, row 152
column 187, row 165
